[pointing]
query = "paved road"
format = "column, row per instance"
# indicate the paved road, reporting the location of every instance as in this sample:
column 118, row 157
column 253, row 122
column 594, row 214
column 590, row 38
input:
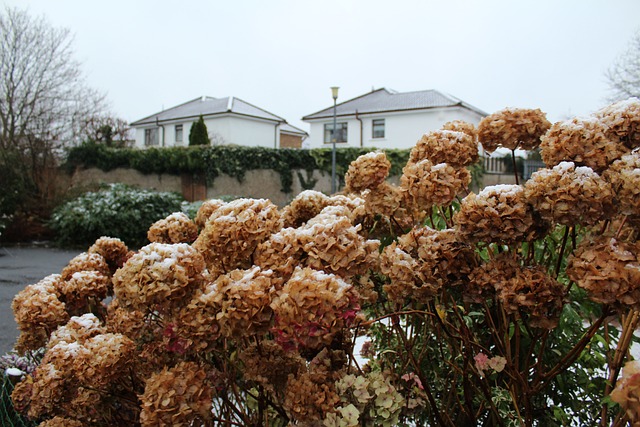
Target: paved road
column 19, row 267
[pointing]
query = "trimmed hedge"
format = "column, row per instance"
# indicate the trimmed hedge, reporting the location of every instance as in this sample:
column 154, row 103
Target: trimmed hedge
column 231, row 160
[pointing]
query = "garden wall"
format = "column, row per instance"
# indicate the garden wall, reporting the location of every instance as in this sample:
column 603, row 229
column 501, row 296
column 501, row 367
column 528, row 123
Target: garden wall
column 260, row 183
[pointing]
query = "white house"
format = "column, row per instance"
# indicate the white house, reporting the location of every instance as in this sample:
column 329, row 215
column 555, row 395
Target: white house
column 229, row 120
column 384, row 118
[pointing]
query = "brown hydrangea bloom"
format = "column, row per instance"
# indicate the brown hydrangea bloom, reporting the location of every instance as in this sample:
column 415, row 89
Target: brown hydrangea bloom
column 608, row 269
column 498, row 214
column 534, row 292
column 176, row 228
column 627, row 391
column 624, row 177
column 426, row 184
column 243, row 298
column 196, row 322
column 383, row 200
column 61, row 422
column 303, row 207
column 455, row 148
column 461, row 126
column 513, row 128
column 312, row 308
column 333, row 244
column 367, row 171
column 405, row 276
column 444, row 260
column 584, row 141
column 268, row 364
column 281, row 253
column 569, row 195
column 180, row 396
column 233, row 232
column 310, row 396
column 77, row 329
column 159, row 276
column 355, row 206
column 623, row 121
column 113, row 250
column 38, row 311
column 482, row 279
column 86, row 262
column 205, row 211
column 21, row 395
column 127, row 322
column 82, row 289
column 102, row 359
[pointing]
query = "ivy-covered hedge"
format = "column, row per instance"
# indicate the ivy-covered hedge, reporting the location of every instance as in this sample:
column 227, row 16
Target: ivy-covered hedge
column 231, row 160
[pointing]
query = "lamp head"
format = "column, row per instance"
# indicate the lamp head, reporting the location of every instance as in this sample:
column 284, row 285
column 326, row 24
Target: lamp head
column 334, row 92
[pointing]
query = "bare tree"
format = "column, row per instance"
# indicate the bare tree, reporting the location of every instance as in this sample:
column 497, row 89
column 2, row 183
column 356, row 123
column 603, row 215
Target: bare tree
column 109, row 130
column 624, row 75
column 44, row 101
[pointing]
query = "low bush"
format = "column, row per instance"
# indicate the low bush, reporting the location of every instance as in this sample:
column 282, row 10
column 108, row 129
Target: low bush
column 116, row 210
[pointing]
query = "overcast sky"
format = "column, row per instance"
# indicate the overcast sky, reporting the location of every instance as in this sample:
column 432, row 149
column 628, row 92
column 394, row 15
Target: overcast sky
column 284, row 55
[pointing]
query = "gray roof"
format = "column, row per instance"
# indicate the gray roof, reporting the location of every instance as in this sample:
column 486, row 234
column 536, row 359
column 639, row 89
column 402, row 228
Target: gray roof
column 286, row 127
column 209, row 106
column 385, row 100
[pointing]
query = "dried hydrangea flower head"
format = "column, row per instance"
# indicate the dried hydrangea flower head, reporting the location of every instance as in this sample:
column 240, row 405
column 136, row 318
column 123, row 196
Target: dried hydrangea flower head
column 176, row 228
column 159, row 276
column 513, row 128
column 455, row 148
column 354, row 204
column 406, row 279
column 86, row 262
column 58, row 421
column 461, row 126
column 627, row 391
column 624, row 177
column 205, row 211
column 333, row 244
column 498, row 214
column 38, row 311
column 312, row 308
column 310, row 396
column 426, row 185
column 303, row 207
column 444, row 259
column 131, row 323
column 243, row 298
column 569, row 195
column 384, row 200
column 102, row 360
column 608, row 269
column 113, row 250
column 367, row 171
column 179, row 396
column 83, row 290
column 521, row 289
column 623, row 121
column 233, row 232
column 584, row 141
column 281, row 252
column 77, row 329
column 268, row 364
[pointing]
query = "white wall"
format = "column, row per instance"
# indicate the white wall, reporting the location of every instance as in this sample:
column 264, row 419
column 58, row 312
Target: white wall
column 227, row 129
column 402, row 130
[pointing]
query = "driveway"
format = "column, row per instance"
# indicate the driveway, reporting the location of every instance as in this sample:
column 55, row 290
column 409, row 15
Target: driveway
column 19, row 267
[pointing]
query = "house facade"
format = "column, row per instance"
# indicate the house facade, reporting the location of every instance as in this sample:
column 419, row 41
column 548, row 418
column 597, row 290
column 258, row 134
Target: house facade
column 229, row 120
column 384, row 118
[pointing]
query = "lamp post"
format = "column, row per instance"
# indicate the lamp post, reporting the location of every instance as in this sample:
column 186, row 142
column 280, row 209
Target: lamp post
column 334, row 93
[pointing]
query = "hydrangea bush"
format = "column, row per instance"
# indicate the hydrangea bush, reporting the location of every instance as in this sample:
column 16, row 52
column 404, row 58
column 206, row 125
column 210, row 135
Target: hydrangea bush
column 412, row 304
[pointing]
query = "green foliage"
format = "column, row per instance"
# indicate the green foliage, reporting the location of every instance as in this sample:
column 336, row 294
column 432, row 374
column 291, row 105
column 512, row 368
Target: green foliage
column 230, row 160
column 199, row 135
column 116, row 211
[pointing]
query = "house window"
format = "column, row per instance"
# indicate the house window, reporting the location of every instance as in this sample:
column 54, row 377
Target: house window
column 377, row 128
column 341, row 132
column 150, row 137
column 178, row 133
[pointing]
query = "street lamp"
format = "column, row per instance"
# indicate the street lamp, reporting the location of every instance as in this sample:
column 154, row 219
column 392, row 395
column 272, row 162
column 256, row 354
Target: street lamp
column 334, row 94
